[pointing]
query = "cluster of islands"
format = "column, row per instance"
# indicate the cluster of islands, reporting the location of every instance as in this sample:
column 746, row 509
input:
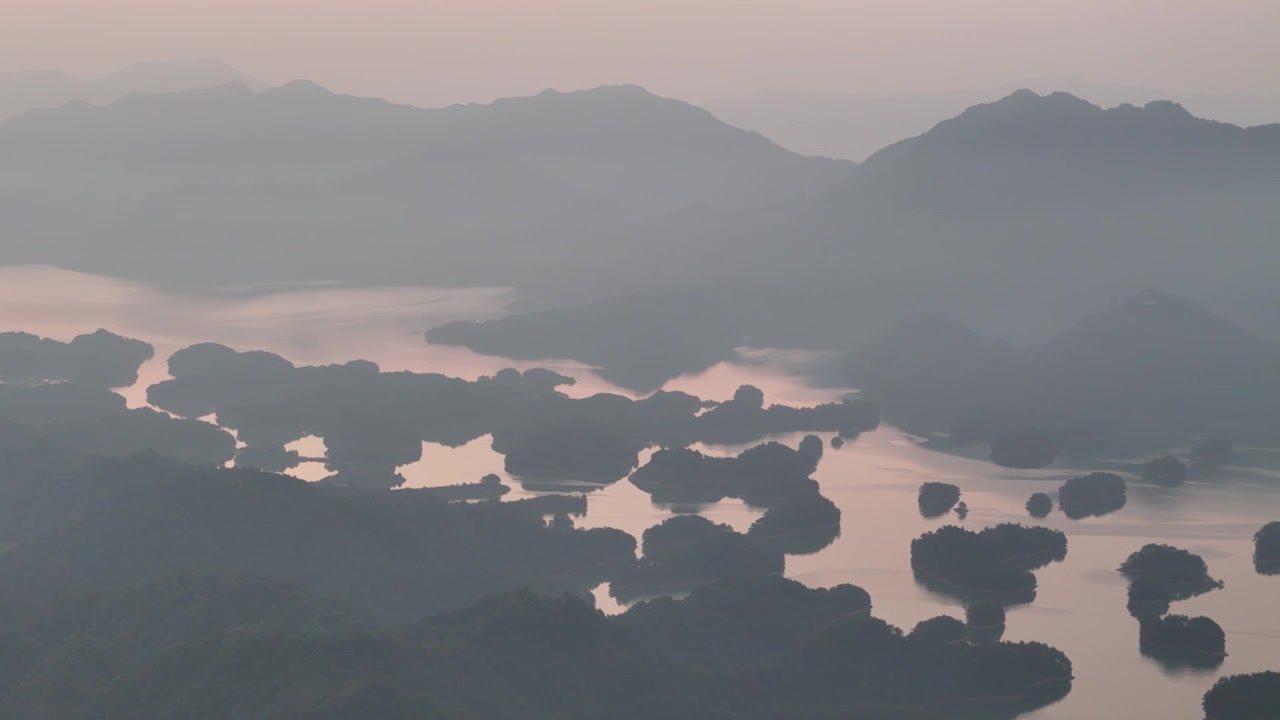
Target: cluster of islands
column 164, row 538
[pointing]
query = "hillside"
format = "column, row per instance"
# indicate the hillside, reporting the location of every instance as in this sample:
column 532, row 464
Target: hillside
column 44, row 89
column 179, row 187
column 1155, row 365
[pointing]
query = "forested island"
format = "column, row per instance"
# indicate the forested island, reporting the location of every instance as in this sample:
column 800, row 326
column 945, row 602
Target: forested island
column 373, row 422
column 1181, row 641
column 1092, row 495
column 797, row 519
column 993, row 565
column 1243, row 697
column 1039, row 505
column 936, row 499
column 1266, row 549
column 1158, row 576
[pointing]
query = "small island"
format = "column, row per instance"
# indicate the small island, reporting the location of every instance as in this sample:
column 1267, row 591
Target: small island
column 1178, row 641
column 1167, row 471
column 993, row 565
column 1040, row 505
column 985, row 622
column 1243, row 697
column 1092, row 495
column 490, row 488
column 1179, row 573
column 1266, row 549
column 936, row 499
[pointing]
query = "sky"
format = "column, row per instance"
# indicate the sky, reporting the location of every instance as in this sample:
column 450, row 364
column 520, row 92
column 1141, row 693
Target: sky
column 436, row 52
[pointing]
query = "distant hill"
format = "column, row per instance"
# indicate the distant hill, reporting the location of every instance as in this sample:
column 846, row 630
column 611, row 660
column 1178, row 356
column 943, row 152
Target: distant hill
column 1060, row 204
column 1017, row 217
column 43, row 89
column 183, row 185
column 857, row 125
column 1155, row 365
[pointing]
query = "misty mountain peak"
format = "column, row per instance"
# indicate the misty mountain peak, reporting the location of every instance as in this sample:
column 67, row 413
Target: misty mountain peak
column 300, row 88
column 1150, row 319
column 1167, row 108
column 1025, row 104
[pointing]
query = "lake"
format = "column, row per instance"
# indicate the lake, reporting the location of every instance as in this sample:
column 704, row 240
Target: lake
column 1080, row 607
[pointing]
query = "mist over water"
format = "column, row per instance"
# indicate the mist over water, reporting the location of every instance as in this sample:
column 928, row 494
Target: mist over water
column 732, row 360
column 873, row 478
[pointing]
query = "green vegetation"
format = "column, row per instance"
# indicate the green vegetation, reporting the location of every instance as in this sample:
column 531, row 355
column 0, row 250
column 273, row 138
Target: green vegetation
column 993, row 565
column 937, row 499
column 1266, row 549
column 1243, row 697
column 1178, row 573
column 1095, row 494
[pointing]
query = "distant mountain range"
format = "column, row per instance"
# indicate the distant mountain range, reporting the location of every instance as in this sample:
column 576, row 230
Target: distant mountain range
column 854, row 126
column 1015, row 217
column 170, row 186
column 43, row 89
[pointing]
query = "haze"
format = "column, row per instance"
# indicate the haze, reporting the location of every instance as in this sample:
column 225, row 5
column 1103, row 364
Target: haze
column 437, row 52
column 568, row 359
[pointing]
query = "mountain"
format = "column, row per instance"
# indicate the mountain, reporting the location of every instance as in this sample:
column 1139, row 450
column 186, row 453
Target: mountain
column 43, row 89
column 1061, row 204
column 1015, row 218
column 212, row 185
column 1156, row 366
column 1019, row 216
column 856, row 126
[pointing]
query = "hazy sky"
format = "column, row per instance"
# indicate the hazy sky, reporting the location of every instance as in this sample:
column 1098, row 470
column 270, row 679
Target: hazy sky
column 441, row 51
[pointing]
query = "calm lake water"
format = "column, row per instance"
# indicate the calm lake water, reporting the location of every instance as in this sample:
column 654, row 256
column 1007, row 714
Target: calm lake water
column 1080, row 607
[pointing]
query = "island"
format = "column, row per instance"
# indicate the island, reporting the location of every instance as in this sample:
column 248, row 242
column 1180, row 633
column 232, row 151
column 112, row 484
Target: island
column 688, row 551
column 994, row 565
column 1167, row 471
column 94, row 420
column 1266, row 549
column 1177, row 641
column 99, row 359
column 985, row 622
column 798, row 525
column 1178, row 573
column 1243, row 697
column 936, row 499
column 798, row 520
column 374, row 422
column 1040, row 505
column 1092, row 495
